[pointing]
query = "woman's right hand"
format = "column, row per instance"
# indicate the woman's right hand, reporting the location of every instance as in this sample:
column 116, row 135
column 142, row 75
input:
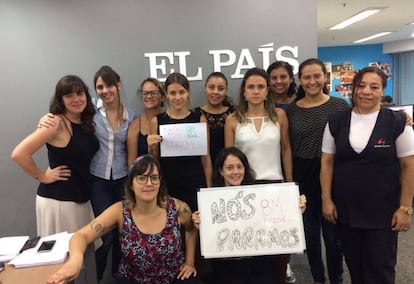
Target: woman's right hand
column 60, row 173
column 67, row 272
column 196, row 219
column 153, row 139
column 47, row 121
column 329, row 211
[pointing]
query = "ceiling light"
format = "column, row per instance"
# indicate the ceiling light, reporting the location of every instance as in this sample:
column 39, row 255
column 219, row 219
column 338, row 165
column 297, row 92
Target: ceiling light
column 372, row 37
column 356, row 18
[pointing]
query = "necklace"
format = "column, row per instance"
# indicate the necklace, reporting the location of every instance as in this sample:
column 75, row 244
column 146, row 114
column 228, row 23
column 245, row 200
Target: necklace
column 180, row 116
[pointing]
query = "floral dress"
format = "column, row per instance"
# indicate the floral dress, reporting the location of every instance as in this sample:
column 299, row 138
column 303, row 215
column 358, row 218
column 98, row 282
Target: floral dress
column 151, row 258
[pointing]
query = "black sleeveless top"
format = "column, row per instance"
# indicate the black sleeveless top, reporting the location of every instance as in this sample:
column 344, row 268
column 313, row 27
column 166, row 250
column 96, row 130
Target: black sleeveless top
column 183, row 175
column 77, row 155
column 366, row 186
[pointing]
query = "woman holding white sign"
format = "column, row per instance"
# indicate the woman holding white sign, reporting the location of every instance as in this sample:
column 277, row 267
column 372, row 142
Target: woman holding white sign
column 232, row 169
column 184, row 174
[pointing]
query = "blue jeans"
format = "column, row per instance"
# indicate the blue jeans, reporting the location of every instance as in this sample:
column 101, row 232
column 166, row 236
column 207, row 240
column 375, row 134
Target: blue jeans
column 105, row 193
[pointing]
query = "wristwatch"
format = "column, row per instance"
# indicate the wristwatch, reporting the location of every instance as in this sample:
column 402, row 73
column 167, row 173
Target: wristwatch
column 407, row 209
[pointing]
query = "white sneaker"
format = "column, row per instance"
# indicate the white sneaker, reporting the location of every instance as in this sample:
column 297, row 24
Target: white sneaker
column 290, row 275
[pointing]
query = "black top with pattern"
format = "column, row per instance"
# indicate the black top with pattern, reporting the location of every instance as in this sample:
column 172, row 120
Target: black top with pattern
column 306, row 126
column 215, row 124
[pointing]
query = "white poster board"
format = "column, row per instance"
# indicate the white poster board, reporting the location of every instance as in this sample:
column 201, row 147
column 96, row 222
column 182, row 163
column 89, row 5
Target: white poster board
column 183, row 139
column 250, row 220
column 408, row 109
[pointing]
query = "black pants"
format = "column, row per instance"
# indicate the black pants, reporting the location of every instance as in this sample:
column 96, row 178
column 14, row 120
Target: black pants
column 370, row 254
column 191, row 280
column 250, row 270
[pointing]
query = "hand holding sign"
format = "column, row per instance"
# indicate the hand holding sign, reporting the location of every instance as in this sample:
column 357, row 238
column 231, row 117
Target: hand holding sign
column 250, row 220
column 183, row 139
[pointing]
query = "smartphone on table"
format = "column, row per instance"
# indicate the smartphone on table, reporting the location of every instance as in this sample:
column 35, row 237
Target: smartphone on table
column 46, row 246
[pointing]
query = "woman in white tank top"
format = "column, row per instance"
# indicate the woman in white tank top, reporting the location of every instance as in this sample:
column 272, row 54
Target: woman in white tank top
column 260, row 130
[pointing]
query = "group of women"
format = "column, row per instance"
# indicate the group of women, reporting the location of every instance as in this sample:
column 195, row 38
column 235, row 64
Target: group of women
column 278, row 145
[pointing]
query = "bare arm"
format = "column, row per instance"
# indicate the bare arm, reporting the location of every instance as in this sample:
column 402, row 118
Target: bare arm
column 230, row 130
column 326, row 176
column 285, row 144
column 196, row 219
column 185, row 219
column 107, row 221
column 206, row 159
column 401, row 220
column 24, row 151
column 132, row 141
column 153, row 138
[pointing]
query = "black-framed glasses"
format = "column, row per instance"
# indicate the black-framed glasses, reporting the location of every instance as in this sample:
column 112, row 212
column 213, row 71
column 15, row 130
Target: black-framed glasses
column 143, row 179
column 147, row 94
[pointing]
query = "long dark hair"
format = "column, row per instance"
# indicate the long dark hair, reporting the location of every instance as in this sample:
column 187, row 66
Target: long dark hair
column 69, row 84
column 289, row 70
column 138, row 167
column 227, row 100
column 356, row 81
column 249, row 175
column 301, row 93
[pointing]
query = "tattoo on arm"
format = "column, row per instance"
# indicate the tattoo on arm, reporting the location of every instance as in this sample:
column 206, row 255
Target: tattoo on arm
column 185, row 211
column 97, row 227
column 185, row 216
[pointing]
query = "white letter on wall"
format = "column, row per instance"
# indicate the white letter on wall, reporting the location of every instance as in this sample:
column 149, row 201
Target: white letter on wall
column 182, row 64
column 291, row 61
column 217, row 64
column 152, row 57
column 265, row 51
column 244, row 56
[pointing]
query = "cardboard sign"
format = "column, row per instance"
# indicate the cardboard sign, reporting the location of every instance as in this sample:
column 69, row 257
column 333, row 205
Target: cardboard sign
column 250, row 220
column 183, row 139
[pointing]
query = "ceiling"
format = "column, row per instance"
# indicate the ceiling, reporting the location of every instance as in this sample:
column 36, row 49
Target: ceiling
column 394, row 18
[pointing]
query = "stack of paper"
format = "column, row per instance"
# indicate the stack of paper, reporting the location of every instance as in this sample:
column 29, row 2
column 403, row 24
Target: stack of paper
column 58, row 253
column 10, row 247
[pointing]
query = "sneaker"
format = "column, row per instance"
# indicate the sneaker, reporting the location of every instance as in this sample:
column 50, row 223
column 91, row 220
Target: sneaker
column 290, row 275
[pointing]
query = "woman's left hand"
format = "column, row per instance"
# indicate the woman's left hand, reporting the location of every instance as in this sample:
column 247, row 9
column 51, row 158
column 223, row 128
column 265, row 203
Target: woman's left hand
column 186, row 271
column 302, row 202
column 400, row 221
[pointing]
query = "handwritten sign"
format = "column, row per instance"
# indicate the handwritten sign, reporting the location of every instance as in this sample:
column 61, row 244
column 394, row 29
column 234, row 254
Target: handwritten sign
column 183, row 139
column 250, row 220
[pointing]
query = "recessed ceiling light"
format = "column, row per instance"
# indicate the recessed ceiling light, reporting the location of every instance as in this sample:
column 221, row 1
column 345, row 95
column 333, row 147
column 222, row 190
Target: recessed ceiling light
column 356, row 18
column 372, row 37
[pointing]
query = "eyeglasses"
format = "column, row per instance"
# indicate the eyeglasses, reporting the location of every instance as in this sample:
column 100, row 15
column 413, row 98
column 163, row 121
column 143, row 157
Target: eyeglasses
column 153, row 93
column 143, row 179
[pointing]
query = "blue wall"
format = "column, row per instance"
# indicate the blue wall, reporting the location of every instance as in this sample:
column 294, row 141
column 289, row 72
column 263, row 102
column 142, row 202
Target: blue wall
column 360, row 56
